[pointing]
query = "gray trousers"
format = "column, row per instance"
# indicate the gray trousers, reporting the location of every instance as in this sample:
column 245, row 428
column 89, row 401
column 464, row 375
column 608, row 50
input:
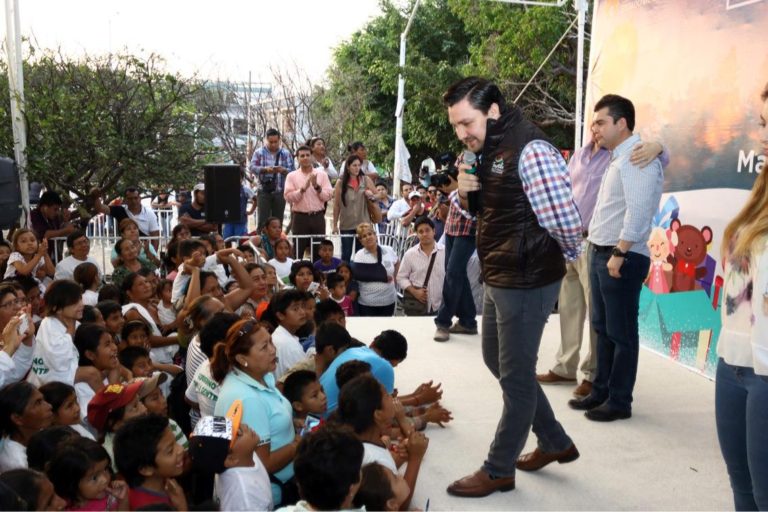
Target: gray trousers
column 270, row 204
column 513, row 322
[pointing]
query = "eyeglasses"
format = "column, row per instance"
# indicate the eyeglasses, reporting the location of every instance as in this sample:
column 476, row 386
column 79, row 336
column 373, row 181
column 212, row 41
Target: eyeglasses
column 15, row 302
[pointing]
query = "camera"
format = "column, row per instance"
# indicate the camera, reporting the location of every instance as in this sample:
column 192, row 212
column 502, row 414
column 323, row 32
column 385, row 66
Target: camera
column 441, row 179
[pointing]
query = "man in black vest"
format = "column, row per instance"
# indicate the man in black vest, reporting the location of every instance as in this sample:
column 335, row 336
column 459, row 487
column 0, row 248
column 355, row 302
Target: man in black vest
column 527, row 223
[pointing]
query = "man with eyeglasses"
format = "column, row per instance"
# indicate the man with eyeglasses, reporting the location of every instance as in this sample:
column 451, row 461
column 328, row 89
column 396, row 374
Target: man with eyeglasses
column 131, row 208
column 78, row 246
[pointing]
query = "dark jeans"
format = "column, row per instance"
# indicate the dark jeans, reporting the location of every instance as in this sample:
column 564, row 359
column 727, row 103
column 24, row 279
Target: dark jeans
column 347, row 243
column 271, row 204
column 513, row 321
column 375, row 310
column 741, row 412
column 615, row 308
column 457, row 292
column 305, row 224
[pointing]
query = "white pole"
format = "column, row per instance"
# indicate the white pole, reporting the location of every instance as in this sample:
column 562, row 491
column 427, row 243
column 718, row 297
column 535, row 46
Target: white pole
column 16, row 88
column 400, row 107
column 581, row 8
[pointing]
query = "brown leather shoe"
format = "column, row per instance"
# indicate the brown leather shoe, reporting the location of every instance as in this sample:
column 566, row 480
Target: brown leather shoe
column 537, row 459
column 480, row 484
column 552, row 378
column 583, row 390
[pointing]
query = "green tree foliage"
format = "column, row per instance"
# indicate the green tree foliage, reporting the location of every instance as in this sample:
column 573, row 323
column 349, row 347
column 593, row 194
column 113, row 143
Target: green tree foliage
column 359, row 101
column 106, row 122
column 449, row 39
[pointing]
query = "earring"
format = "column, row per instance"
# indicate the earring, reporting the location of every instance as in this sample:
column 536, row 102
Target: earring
column 245, row 364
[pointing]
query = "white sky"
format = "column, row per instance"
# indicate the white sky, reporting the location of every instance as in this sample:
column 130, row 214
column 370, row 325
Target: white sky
column 219, row 39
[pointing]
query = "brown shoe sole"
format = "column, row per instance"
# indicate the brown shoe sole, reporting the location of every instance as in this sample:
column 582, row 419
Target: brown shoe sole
column 471, row 494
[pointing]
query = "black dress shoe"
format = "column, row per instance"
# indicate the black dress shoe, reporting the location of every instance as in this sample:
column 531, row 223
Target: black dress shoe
column 585, row 404
column 606, row 413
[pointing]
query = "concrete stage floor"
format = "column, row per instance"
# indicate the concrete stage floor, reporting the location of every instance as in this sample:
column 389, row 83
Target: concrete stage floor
column 666, row 457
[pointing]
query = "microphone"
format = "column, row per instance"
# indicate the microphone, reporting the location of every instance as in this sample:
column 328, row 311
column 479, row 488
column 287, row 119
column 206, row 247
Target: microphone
column 473, row 198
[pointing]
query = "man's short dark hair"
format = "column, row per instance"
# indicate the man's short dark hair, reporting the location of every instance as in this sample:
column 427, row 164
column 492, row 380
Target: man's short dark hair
column 423, row 220
column 131, row 189
column 303, row 148
column 391, row 345
column 349, row 370
column 326, row 243
column 107, row 307
column 187, row 247
column 480, row 92
column 327, row 464
column 331, row 334
column 618, row 107
column 50, row 198
column 404, row 183
column 74, row 236
column 272, row 132
column 135, row 446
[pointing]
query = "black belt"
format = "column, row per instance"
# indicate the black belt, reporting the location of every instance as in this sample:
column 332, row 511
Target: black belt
column 603, row 248
column 318, row 212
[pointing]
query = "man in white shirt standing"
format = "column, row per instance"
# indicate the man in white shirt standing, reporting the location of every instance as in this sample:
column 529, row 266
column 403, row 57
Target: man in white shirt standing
column 402, row 205
column 79, row 246
column 412, row 275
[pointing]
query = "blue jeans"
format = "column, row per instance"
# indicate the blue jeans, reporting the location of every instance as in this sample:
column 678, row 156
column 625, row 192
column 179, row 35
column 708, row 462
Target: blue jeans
column 741, row 412
column 615, row 309
column 513, row 321
column 457, row 292
column 236, row 229
column 347, row 243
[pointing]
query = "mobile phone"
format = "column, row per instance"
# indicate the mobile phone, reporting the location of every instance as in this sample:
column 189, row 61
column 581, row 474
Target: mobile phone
column 313, row 287
column 310, row 424
column 23, row 325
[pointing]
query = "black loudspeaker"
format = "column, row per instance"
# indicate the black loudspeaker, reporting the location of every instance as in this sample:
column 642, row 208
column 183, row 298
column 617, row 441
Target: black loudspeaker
column 222, row 193
column 10, row 193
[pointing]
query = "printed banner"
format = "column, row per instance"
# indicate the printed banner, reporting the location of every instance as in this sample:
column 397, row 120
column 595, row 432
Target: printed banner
column 694, row 70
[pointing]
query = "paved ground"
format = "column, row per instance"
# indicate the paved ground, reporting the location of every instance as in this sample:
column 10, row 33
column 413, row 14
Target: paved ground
column 665, row 458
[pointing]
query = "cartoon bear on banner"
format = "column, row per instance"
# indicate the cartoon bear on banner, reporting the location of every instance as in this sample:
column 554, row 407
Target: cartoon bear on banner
column 690, row 252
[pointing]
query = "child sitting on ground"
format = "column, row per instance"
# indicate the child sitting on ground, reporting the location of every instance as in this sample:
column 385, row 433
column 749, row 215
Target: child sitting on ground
column 338, row 289
column 87, row 276
column 112, row 313
column 327, row 263
column 66, row 410
column 353, row 289
column 307, row 397
column 226, row 447
column 380, row 489
column 80, row 472
column 155, row 403
column 274, row 284
column 149, row 458
column 281, row 262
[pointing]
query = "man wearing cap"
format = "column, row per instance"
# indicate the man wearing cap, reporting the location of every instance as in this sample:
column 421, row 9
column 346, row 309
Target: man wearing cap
column 417, row 208
column 131, row 208
column 192, row 214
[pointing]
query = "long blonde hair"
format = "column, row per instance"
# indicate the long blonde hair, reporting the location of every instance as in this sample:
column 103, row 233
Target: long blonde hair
column 752, row 221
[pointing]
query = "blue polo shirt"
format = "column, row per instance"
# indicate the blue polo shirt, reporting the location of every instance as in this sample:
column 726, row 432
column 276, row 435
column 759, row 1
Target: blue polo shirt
column 380, row 368
column 265, row 410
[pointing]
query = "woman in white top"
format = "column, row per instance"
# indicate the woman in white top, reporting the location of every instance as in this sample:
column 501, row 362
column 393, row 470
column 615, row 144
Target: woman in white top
column 374, row 267
column 15, row 351
column 741, row 390
column 320, row 157
column 23, row 412
column 141, row 307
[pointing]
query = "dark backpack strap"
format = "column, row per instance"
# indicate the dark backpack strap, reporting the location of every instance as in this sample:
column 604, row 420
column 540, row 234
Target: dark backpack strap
column 378, row 253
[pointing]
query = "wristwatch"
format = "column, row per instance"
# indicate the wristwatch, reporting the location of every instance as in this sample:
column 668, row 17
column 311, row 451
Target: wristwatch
column 617, row 252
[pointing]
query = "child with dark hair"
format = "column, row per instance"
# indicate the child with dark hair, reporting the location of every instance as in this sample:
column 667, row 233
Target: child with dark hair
column 66, row 411
column 338, row 289
column 111, row 292
column 155, row 403
column 137, row 361
column 112, row 313
column 287, row 309
column 249, row 254
column 92, row 315
column 42, row 445
column 380, row 489
column 165, row 310
column 350, row 370
column 81, row 474
column 329, row 311
column 367, row 407
column 306, row 395
column 225, row 446
column 33, row 488
column 327, row 262
column 135, row 334
column 149, row 458
column 87, row 276
column 5, row 252
column 304, row 277
column 281, row 261
column 353, row 289
column 327, row 469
